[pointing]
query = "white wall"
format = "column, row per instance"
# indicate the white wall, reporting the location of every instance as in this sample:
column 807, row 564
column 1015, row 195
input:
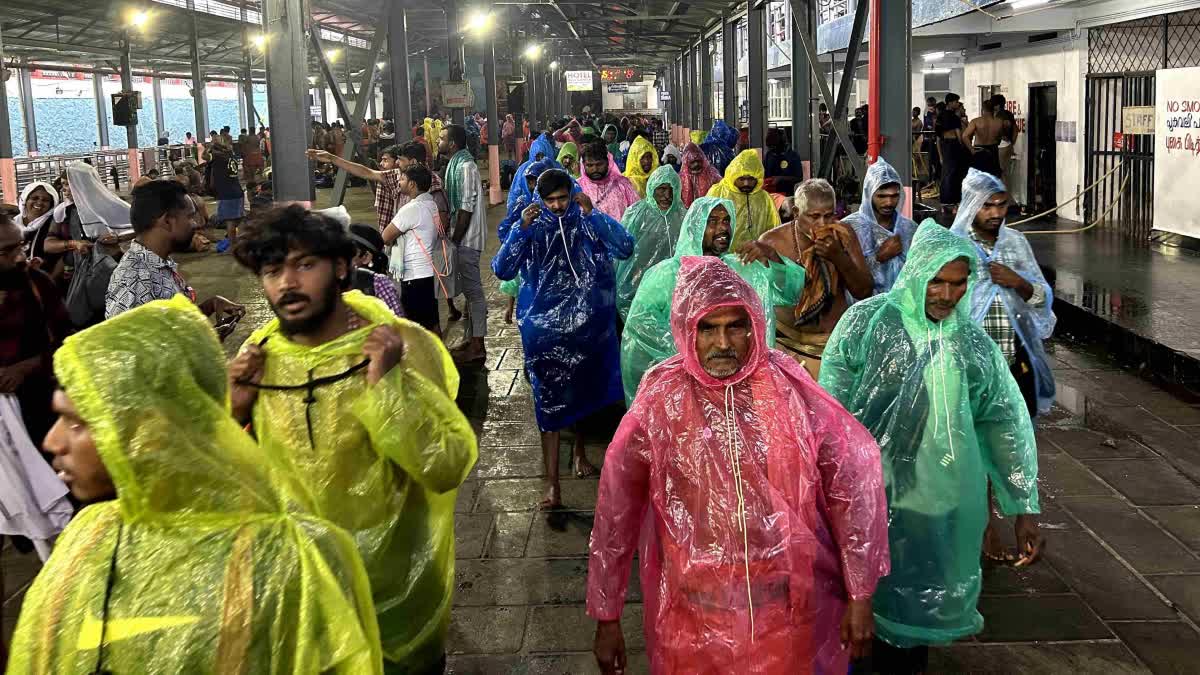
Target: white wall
column 1064, row 63
column 616, row 102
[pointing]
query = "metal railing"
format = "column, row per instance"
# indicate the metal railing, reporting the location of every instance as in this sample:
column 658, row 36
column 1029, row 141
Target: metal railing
column 111, row 165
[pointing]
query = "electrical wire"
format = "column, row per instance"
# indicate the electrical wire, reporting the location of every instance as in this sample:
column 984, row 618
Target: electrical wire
column 1095, row 222
column 1071, row 200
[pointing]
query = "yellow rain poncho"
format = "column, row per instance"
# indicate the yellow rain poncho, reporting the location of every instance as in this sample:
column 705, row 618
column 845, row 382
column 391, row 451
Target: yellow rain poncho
column 433, row 132
column 697, row 136
column 384, row 462
column 197, row 566
column 756, row 212
column 633, row 166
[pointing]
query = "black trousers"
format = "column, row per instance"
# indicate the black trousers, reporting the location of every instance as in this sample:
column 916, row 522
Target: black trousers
column 420, row 302
column 1022, row 372
column 890, row 660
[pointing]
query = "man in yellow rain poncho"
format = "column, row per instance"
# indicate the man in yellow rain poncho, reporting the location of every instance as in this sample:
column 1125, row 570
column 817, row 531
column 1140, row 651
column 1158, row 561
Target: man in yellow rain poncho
column 191, row 558
column 360, row 406
column 641, row 162
column 743, row 185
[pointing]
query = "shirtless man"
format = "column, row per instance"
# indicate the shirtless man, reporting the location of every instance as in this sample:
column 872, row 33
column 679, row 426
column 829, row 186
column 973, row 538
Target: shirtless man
column 983, row 135
column 834, row 267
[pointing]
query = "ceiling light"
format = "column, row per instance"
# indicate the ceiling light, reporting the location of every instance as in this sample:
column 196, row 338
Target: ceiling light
column 381, row 64
column 933, row 56
column 553, row 65
column 260, row 41
column 332, row 54
column 479, row 21
column 533, row 51
column 139, row 18
column 1024, row 4
column 936, row 71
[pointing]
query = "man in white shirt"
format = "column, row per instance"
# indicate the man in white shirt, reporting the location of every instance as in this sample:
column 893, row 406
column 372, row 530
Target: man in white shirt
column 468, row 217
column 416, row 221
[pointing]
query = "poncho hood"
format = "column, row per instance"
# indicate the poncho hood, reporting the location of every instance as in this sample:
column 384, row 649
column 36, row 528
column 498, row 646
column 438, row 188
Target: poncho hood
column 633, row 165
column 933, row 247
column 707, row 284
column 543, row 145
column 161, row 425
column 977, row 187
column 747, row 163
column 723, row 134
column 691, row 235
column 696, row 186
column 878, row 174
column 871, row 233
column 664, row 175
column 568, row 150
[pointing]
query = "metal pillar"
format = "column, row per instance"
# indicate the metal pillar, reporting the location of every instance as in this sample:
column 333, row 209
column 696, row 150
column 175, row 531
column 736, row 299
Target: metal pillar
column 838, row 107
column 706, row 85
column 398, row 74
column 698, row 91
column 247, row 77
column 685, row 75
column 102, row 109
column 26, row 88
column 160, row 124
column 531, row 95
column 199, row 95
column 287, row 82
column 131, row 135
column 729, row 71
column 493, row 118
column 428, row 104
column 756, row 75
column 455, row 53
column 324, row 101
column 891, row 63
column 353, row 117
column 804, row 118
column 8, row 170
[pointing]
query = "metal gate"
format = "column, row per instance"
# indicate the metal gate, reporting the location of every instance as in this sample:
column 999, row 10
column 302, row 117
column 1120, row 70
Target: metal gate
column 1133, row 214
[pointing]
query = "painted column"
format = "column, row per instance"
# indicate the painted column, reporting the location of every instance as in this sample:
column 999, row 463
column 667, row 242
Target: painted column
column 893, row 108
column 287, row 84
column 199, row 95
column 131, row 135
column 398, row 74
column 455, row 53
column 493, row 119
column 756, row 75
column 8, row 169
column 25, row 83
column 729, row 95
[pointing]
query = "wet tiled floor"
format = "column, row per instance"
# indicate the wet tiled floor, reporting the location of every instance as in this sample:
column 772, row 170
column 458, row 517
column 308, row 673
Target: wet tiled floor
column 1118, row 593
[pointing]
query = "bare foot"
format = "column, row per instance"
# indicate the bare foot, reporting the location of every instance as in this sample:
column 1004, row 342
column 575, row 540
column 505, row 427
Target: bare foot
column 553, row 498
column 464, row 354
column 993, row 547
column 584, row 468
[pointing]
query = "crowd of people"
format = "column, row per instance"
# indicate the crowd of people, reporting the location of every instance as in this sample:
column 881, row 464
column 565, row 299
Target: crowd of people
column 825, row 412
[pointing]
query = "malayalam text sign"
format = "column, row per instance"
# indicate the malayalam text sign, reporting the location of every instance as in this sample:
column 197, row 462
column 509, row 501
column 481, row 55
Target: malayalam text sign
column 579, row 80
column 1176, row 150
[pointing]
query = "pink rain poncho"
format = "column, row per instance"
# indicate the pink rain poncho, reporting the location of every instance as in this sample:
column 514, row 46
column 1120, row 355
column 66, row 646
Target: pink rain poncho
column 611, row 194
column 696, row 186
column 757, row 499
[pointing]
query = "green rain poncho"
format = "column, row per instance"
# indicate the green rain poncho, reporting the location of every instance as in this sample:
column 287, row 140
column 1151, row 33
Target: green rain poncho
column 939, row 398
column 205, row 567
column 654, row 231
column 756, row 212
column 570, row 150
column 647, row 340
column 384, row 462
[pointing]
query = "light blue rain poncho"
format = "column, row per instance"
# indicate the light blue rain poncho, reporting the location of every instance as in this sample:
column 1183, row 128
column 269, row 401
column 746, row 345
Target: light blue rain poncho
column 542, row 145
column 948, row 415
column 647, row 340
column 1033, row 324
column 654, row 232
column 871, row 234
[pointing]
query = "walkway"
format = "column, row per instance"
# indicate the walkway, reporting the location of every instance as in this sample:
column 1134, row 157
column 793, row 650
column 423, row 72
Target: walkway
column 1118, row 593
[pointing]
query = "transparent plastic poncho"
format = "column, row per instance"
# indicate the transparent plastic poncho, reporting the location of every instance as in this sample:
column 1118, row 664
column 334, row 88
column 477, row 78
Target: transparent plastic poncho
column 871, row 234
column 720, row 146
column 567, row 306
column 647, row 339
column 633, row 166
column 383, row 461
column 207, row 566
column 655, row 233
column 1032, row 324
column 696, row 185
column 611, row 194
column 939, row 398
column 756, row 212
column 757, row 500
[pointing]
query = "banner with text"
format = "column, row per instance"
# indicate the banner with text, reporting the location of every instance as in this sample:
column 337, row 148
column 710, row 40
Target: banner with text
column 579, row 80
column 1176, row 150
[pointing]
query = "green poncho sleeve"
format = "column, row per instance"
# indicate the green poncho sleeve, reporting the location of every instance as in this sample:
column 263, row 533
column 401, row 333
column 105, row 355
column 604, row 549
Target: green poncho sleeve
column 647, row 337
column 1006, row 439
column 511, row 287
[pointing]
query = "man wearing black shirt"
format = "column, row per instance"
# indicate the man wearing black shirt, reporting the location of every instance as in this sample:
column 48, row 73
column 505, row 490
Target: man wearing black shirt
column 955, row 159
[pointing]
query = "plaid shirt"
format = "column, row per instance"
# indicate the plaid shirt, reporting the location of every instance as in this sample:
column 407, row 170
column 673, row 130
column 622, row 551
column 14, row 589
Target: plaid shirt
column 995, row 322
column 389, row 199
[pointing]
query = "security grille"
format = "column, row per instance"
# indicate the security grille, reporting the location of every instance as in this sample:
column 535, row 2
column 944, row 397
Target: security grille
column 828, row 10
column 1168, row 41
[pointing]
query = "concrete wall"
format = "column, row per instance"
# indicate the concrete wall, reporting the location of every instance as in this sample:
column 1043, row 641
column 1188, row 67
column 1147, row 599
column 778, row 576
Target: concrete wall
column 616, row 102
column 1064, row 63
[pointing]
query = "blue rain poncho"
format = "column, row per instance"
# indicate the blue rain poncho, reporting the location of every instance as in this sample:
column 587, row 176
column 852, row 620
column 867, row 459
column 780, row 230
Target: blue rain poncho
column 941, row 402
column 567, row 309
column 647, row 340
column 654, row 233
column 543, row 145
column 1031, row 323
column 720, row 146
column 513, row 216
column 871, row 234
